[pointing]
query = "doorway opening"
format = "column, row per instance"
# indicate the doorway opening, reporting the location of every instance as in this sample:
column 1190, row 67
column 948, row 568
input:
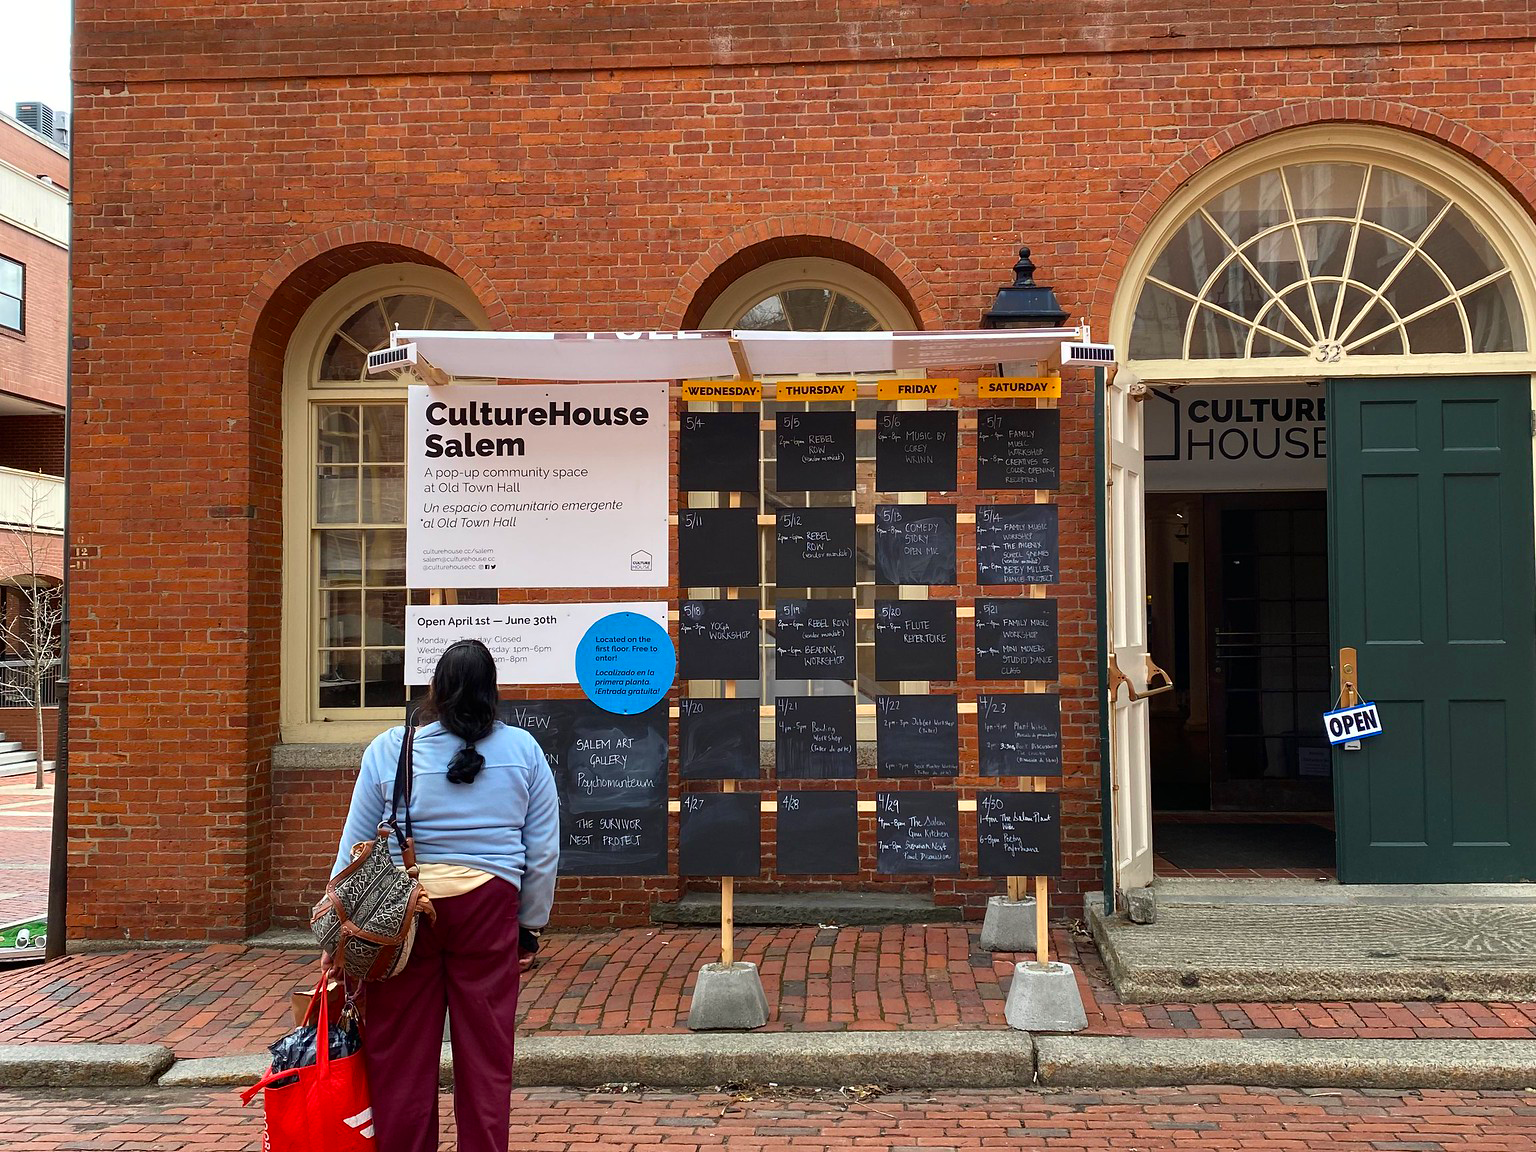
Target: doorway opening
column 1237, row 602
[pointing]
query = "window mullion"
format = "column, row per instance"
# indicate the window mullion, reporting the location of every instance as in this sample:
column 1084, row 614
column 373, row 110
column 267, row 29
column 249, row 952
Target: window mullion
column 1301, row 257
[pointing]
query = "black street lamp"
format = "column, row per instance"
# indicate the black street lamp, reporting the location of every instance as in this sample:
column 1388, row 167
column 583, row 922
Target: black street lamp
column 1025, row 304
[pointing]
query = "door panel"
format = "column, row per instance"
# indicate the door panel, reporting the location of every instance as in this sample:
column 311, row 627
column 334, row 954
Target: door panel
column 1431, row 562
column 1129, row 746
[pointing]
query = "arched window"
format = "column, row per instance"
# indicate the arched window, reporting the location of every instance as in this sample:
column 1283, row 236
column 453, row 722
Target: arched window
column 1331, row 254
column 814, row 294
column 344, row 570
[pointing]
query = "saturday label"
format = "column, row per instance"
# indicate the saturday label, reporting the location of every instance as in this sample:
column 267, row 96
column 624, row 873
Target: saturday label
column 1018, row 387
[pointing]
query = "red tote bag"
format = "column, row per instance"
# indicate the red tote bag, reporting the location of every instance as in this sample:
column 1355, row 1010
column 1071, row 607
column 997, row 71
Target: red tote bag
column 322, row 1107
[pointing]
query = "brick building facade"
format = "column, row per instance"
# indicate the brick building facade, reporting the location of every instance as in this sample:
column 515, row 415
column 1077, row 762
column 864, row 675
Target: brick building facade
column 590, row 168
column 34, row 351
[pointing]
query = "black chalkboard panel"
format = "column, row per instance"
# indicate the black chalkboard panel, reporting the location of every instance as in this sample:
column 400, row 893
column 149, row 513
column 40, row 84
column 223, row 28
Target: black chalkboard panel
column 815, row 738
column 818, row 834
column 1018, row 833
column 915, row 544
column 1020, row 734
column 917, row 451
column 611, row 775
column 718, row 739
column 1018, row 448
column 917, row 832
column 915, row 640
column 717, row 548
column 816, row 451
column 814, row 640
column 814, row 548
column 917, row 736
column 1015, row 639
column 720, row 834
column 718, row 452
column 717, row 640
column 1018, row 544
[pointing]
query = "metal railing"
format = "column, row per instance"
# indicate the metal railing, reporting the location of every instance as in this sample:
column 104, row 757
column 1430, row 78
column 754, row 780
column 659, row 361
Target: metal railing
column 16, row 685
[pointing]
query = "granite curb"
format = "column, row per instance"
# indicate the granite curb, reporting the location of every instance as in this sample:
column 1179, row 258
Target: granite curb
column 923, row 1060
column 1283, row 1062
column 82, row 1065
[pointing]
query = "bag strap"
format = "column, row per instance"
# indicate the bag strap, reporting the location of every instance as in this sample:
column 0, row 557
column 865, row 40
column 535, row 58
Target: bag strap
column 403, row 792
column 321, row 1011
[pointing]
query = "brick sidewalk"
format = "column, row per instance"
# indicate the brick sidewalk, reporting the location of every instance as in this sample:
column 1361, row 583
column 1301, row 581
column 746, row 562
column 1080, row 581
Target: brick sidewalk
column 26, row 815
column 228, row 999
column 552, row 1120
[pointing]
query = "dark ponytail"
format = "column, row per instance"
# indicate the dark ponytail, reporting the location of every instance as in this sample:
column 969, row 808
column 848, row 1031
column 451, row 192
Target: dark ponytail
column 463, row 699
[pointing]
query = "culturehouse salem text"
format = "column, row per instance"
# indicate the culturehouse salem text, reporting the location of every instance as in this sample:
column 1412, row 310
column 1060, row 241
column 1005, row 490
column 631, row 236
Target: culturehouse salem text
column 555, row 414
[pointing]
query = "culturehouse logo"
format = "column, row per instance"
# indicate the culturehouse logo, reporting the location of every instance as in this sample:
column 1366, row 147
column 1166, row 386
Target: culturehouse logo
column 640, row 561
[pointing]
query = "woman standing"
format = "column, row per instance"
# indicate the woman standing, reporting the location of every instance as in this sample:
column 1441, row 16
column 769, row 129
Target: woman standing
column 486, row 823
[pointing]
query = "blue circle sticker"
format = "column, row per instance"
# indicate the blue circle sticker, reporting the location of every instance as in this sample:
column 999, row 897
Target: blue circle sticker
column 625, row 663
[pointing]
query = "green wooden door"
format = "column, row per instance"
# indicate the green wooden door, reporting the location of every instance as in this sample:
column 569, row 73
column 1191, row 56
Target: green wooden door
column 1431, row 556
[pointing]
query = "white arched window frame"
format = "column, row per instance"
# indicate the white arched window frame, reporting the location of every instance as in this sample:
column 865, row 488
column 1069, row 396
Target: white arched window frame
column 343, row 492
column 814, row 294
column 1306, row 326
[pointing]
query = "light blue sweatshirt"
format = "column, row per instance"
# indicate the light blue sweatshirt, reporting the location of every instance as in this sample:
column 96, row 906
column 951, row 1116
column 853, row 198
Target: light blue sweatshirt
column 507, row 822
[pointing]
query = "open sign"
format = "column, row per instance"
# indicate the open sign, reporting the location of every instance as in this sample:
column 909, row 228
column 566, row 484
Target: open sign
column 1352, row 723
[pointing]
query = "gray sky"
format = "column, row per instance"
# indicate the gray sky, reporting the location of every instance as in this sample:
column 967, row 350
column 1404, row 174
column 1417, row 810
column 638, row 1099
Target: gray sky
column 36, row 53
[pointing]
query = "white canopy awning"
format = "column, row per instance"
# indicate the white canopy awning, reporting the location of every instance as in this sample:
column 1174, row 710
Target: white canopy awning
column 691, row 355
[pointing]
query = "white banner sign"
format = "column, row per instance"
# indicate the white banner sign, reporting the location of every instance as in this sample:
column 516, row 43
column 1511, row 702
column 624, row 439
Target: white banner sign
column 1210, row 438
column 511, row 486
column 532, row 643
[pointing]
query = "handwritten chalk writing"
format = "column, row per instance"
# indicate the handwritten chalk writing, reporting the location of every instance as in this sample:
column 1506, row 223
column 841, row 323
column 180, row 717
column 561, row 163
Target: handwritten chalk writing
column 815, row 640
column 915, row 544
column 1018, row 833
column 815, row 737
column 917, row 832
column 1018, row 448
column 917, row 451
column 1015, row 639
column 915, row 640
column 917, row 735
column 816, row 451
column 1017, row 544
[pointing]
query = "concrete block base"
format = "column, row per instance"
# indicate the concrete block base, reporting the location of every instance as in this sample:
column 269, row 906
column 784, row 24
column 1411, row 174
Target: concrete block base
column 728, row 997
column 1009, row 925
column 1044, row 998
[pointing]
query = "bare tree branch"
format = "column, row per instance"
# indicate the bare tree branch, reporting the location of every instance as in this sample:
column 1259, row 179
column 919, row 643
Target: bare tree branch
column 32, row 633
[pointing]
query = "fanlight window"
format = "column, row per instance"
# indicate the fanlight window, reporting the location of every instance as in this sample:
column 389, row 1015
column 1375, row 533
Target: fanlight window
column 808, row 310
column 367, row 330
column 1326, row 261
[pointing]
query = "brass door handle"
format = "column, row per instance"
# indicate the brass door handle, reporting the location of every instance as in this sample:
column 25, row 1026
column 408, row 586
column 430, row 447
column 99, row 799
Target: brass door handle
column 1349, row 681
column 1154, row 671
column 1117, row 678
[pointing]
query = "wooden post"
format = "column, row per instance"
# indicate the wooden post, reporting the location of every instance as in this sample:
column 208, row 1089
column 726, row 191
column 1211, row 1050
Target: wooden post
column 1042, row 883
column 1042, row 910
column 728, row 883
column 1042, row 920
column 728, row 910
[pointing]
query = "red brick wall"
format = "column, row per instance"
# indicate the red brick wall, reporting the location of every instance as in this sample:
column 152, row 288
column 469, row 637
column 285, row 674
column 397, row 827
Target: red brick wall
column 20, row 147
column 215, row 199
column 33, row 443
column 21, row 724
column 32, row 363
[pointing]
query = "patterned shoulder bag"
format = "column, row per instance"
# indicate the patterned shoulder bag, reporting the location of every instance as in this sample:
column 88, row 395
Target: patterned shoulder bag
column 367, row 918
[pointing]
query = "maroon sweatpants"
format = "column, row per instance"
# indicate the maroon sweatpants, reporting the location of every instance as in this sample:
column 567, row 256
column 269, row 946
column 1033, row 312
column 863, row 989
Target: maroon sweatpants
column 467, row 964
